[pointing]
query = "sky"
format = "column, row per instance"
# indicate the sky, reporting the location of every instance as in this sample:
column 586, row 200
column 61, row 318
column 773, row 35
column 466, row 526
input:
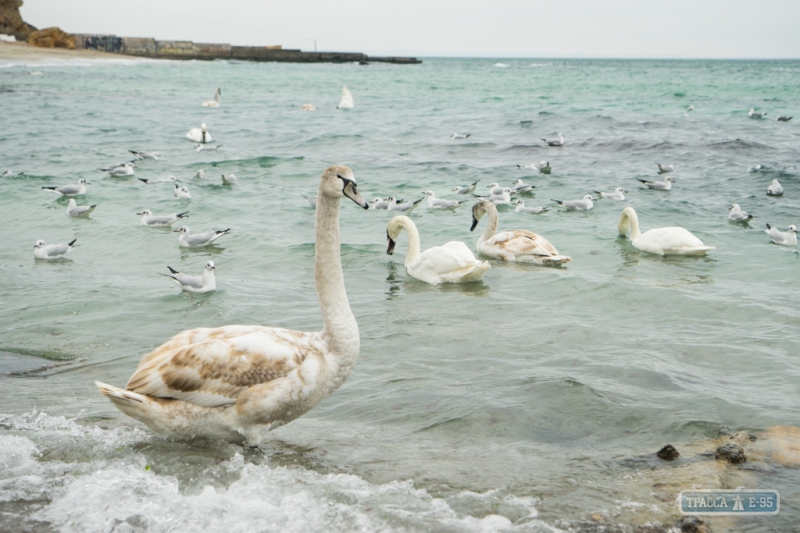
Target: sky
column 735, row 29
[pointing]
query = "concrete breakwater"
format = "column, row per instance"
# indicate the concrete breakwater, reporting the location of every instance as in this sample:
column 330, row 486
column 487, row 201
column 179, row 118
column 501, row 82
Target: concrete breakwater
column 147, row 47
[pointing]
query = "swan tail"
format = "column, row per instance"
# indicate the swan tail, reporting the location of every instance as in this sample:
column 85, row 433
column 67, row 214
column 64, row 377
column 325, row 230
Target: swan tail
column 133, row 404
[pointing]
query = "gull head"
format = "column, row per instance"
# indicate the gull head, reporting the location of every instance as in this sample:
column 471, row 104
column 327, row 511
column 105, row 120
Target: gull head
column 478, row 210
column 210, row 266
column 589, row 197
column 670, row 179
column 518, row 202
column 182, row 229
column 376, row 200
column 518, row 182
column 734, row 206
column 791, row 229
column 40, row 243
column 492, row 185
column 172, row 178
column 337, row 181
column 83, row 181
column 427, row 193
column 146, row 213
column 620, row 190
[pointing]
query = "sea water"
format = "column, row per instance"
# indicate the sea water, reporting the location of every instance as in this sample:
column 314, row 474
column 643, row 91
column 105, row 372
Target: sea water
column 513, row 404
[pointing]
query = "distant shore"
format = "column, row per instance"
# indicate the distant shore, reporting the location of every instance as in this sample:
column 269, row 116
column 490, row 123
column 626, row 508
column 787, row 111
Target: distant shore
column 23, row 52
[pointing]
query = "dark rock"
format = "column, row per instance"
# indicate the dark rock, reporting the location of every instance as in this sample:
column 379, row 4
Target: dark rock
column 668, row 453
column 11, row 22
column 692, row 524
column 52, row 38
column 733, row 453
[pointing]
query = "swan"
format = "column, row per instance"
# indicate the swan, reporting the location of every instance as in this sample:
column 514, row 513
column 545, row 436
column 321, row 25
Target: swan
column 239, row 382
column 452, row 262
column 514, row 245
column 662, row 241
column 199, row 135
column 737, row 215
column 775, row 188
column 215, row 101
column 194, row 284
column 347, row 99
column 74, row 210
column 789, row 238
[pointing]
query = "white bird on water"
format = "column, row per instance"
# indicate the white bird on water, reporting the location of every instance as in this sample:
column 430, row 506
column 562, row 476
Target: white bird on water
column 555, row 142
column 347, row 99
column 199, row 135
column 441, row 203
column 664, row 169
column 520, row 187
column 207, row 148
column 120, row 171
column 531, row 210
column 452, row 262
column 467, row 189
column 215, row 101
column 181, row 192
column 156, row 181
column 200, row 174
column 74, row 210
column 775, row 188
column 196, row 284
column 70, row 190
column 229, row 179
column 239, row 382
column 495, row 189
column 503, row 198
column 42, row 250
column 187, row 240
column 618, row 194
column 160, row 221
column 543, row 167
column 662, row 241
column 145, row 155
column 737, row 215
column 460, row 136
column 378, row 203
column 659, row 185
column 788, row 238
column 584, row 204
column 756, row 114
column 405, row 207
column 308, row 107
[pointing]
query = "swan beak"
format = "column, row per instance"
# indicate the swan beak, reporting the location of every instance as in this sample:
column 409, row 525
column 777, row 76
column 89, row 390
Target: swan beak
column 390, row 248
column 349, row 189
column 474, row 223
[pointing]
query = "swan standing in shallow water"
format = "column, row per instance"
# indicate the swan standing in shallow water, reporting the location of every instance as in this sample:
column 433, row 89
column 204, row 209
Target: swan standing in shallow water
column 662, row 241
column 199, row 135
column 789, row 238
column 452, row 262
column 239, row 382
column 215, row 101
column 513, row 245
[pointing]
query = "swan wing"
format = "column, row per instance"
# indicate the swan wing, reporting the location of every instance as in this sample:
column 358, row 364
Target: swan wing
column 673, row 240
column 210, row 367
column 521, row 243
column 435, row 263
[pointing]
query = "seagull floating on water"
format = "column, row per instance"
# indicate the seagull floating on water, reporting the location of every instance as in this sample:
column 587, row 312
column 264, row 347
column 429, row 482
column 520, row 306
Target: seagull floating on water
column 145, row 155
column 789, row 238
column 196, row 284
column 229, row 179
column 737, row 215
column 156, row 181
column 70, row 190
column 775, row 188
column 441, row 203
column 460, row 136
column 756, row 114
column 378, row 203
column 187, row 240
column 584, row 204
column 467, row 189
column 783, row 118
column 662, row 241
column 181, row 192
column 532, row 210
column 347, row 99
column 502, row 198
column 200, row 174
column 542, row 166
column 618, row 194
column 659, row 185
column 406, row 207
column 519, row 187
column 160, row 221
column 495, row 189
column 74, row 210
column 215, row 101
column 199, row 135
column 41, row 250
column 555, row 142
column 663, row 169
column 207, row 148
column 120, row 171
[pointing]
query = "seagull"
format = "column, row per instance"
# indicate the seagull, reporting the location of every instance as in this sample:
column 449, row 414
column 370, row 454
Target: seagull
column 145, row 155
column 460, row 136
column 199, row 135
column 778, row 237
column 737, row 215
column 663, row 169
column 181, row 192
column 406, row 207
column 120, row 171
column 156, row 181
column 555, row 142
column 689, row 108
column 52, row 251
column 503, row 198
column 186, row 240
column 618, row 194
column 8, row 173
column 578, row 205
column 378, row 203
column 204, row 148
column 117, row 165
column 215, row 101
column 160, row 221
column 200, row 174
column 520, row 187
column 229, row 179
column 75, row 210
column 542, row 166
column 312, row 200
column 495, row 189
column 783, row 118
column 660, row 185
column 71, row 190
column 756, row 114
column 532, row 210
column 440, row 203
column 197, row 284
column 467, row 189
column 775, row 188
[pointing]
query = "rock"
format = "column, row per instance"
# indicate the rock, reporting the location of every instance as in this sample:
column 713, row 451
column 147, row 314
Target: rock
column 692, row 524
column 668, row 453
column 733, row 453
column 11, row 22
column 52, row 38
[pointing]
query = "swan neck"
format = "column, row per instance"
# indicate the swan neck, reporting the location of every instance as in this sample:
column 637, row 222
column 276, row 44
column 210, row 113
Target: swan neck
column 413, row 240
column 634, row 220
column 340, row 329
column 491, row 226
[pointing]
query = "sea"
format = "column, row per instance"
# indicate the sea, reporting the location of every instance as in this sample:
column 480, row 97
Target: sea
column 533, row 401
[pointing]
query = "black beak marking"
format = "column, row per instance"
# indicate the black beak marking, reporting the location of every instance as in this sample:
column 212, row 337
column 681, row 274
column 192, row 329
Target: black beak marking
column 474, row 223
column 390, row 248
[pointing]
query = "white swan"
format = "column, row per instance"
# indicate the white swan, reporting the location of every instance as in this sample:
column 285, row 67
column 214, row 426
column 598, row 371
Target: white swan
column 452, row 262
column 347, row 99
column 789, row 238
column 514, row 245
column 199, row 135
column 238, row 382
column 662, row 241
column 215, row 101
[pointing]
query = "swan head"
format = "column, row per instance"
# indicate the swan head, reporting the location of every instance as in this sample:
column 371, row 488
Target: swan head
column 182, row 229
column 210, row 266
column 146, row 212
column 338, row 182
column 203, row 127
column 478, row 210
column 40, row 243
column 393, row 230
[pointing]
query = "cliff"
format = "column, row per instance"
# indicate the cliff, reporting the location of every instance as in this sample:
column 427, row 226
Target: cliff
column 11, row 22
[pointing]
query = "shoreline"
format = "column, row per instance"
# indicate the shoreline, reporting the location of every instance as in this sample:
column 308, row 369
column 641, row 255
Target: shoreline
column 24, row 52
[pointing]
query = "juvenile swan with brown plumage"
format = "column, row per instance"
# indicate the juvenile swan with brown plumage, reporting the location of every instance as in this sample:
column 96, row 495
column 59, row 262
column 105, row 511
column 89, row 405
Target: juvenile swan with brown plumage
column 239, row 382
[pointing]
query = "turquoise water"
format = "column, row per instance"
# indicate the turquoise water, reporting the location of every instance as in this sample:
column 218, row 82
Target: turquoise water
column 509, row 404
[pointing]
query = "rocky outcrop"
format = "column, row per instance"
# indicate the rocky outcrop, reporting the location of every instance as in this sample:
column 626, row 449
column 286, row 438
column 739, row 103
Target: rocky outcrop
column 52, row 38
column 11, row 22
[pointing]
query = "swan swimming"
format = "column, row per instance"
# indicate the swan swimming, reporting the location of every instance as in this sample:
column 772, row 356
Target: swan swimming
column 187, row 240
column 665, row 185
column 215, row 101
column 775, row 188
column 532, row 210
column 662, row 241
column 452, row 262
column 347, row 99
column 737, row 215
column 194, row 284
column 555, row 142
column 74, row 210
column 586, row 203
column 160, row 221
column 70, row 190
column 789, row 238
column 239, row 382
column 618, row 194
column 467, row 189
column 41, row 250
column 513, row 245
column 199, row 135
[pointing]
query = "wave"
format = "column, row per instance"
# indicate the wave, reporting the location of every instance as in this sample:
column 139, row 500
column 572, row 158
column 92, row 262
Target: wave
column 737, row 144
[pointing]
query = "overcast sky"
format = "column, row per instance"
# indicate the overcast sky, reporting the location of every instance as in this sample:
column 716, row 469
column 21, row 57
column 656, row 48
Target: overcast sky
column 494, row 28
